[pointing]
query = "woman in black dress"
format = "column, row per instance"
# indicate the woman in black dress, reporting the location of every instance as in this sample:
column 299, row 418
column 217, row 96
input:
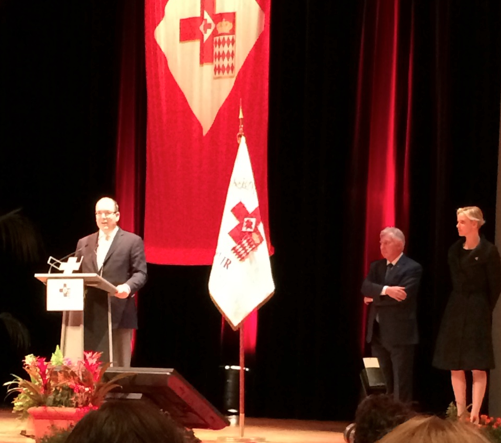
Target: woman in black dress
column 464, row 341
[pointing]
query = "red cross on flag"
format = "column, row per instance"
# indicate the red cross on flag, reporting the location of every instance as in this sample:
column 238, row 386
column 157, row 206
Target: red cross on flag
column 203, row 58
column 240, row 279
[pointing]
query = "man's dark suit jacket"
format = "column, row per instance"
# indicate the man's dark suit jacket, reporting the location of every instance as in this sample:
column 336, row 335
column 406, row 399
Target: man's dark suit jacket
column 397, row 320
column 124, row 263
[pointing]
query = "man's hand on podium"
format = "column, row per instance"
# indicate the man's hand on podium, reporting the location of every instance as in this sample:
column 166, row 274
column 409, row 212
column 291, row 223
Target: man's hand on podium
column 123, row 291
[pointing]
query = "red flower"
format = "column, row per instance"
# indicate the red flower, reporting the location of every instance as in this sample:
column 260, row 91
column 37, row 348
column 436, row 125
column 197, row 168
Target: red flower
column 93, row 365
column 42, row 369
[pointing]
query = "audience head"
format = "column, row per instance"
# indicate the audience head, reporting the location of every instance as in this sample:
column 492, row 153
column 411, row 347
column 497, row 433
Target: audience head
column 435, row 430
column 377, row 415
column 126, row 421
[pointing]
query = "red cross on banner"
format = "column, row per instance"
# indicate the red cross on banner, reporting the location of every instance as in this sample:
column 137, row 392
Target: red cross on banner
column 206, row 27
column 248, row 221
column 246, row 234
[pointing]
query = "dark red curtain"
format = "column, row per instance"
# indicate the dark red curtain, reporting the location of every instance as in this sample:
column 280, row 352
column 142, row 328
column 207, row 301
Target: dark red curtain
column 131, row 127
column 383, row 120
column 131, row 123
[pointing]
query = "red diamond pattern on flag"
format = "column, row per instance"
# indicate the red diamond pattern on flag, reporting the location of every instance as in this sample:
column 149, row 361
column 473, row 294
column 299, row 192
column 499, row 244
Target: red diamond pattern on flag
column 249, row 243
column 224, row 56
column 239, row 285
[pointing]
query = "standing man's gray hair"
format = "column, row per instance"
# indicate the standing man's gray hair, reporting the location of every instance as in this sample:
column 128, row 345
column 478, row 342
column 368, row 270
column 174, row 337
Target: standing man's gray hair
column 396, row 233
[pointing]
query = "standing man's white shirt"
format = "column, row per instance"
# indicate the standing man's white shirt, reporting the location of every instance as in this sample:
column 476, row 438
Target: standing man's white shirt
column 104, row 242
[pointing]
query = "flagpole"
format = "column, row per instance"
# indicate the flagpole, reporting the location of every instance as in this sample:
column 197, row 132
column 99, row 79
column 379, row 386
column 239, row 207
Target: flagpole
column 241, row 408
column 266, row 277
column 240, row 124
column 241, row 398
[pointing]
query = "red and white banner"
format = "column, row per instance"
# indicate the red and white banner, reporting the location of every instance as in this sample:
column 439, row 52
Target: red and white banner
column 203, row 58
column 240, row 279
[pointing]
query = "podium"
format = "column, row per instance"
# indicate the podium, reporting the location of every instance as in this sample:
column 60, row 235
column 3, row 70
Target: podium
column 84, row 300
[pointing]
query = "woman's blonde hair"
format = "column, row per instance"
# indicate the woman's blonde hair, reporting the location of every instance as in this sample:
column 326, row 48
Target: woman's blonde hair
column 424, row 429
column 473, row 213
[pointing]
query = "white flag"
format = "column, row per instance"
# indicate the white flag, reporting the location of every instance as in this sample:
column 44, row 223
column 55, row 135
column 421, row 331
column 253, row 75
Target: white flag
column 240, row 279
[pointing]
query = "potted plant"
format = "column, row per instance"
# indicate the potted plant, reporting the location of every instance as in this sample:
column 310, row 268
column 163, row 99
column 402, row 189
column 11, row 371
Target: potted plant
column 60, row 392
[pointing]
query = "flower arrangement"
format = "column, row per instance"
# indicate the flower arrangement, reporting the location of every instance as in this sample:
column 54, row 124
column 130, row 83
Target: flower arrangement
column 490, row 426
column 61, row 383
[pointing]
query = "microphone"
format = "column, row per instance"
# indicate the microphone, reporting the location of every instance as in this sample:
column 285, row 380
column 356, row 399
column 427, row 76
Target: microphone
column 55, row 263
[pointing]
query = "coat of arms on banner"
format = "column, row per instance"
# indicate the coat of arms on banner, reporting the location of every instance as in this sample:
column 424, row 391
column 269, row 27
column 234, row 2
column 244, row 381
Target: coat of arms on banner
column 246, row 234
column 206, row 43
column 224, row 50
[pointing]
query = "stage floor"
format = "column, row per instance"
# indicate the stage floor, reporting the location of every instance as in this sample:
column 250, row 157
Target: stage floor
column 272, row 430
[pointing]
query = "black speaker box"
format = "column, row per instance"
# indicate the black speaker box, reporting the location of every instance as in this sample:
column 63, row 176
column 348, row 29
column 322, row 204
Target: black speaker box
column 372, row 381
column 168, row 390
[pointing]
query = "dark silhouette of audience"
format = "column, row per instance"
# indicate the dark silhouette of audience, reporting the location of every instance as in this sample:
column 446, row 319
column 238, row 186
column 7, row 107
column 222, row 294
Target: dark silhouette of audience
column 377, row 415
column 126, row 421
column 423, row 429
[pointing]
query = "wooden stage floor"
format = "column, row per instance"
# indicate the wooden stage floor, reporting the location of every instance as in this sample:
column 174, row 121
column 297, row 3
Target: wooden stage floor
column 272, row 430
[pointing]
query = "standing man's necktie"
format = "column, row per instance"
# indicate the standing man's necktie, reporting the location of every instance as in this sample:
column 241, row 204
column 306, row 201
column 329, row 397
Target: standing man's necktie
column 389, row 267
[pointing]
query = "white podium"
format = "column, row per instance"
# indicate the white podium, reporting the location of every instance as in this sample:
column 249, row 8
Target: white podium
column 84, row 327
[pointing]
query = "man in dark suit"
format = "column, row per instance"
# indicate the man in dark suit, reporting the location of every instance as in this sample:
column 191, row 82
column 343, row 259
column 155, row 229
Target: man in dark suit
column 118, row 256
column 390, row 289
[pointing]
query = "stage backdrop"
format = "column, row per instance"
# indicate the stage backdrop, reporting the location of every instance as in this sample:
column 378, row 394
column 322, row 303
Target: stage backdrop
column 204, row 59
column 61, row 123
column 384, row 112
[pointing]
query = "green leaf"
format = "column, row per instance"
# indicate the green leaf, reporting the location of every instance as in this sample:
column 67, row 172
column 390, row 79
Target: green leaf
column 57, row 358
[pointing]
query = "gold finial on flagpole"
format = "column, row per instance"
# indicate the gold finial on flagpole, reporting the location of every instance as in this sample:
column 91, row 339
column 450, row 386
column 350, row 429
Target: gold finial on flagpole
column 241, row 125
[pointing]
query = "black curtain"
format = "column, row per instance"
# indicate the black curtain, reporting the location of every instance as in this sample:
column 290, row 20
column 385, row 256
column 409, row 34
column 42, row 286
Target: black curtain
column 60, row 69
column 58, row 106
column 455, row 157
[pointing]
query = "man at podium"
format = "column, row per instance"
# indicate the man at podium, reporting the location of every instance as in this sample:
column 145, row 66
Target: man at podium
column 117, row 256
